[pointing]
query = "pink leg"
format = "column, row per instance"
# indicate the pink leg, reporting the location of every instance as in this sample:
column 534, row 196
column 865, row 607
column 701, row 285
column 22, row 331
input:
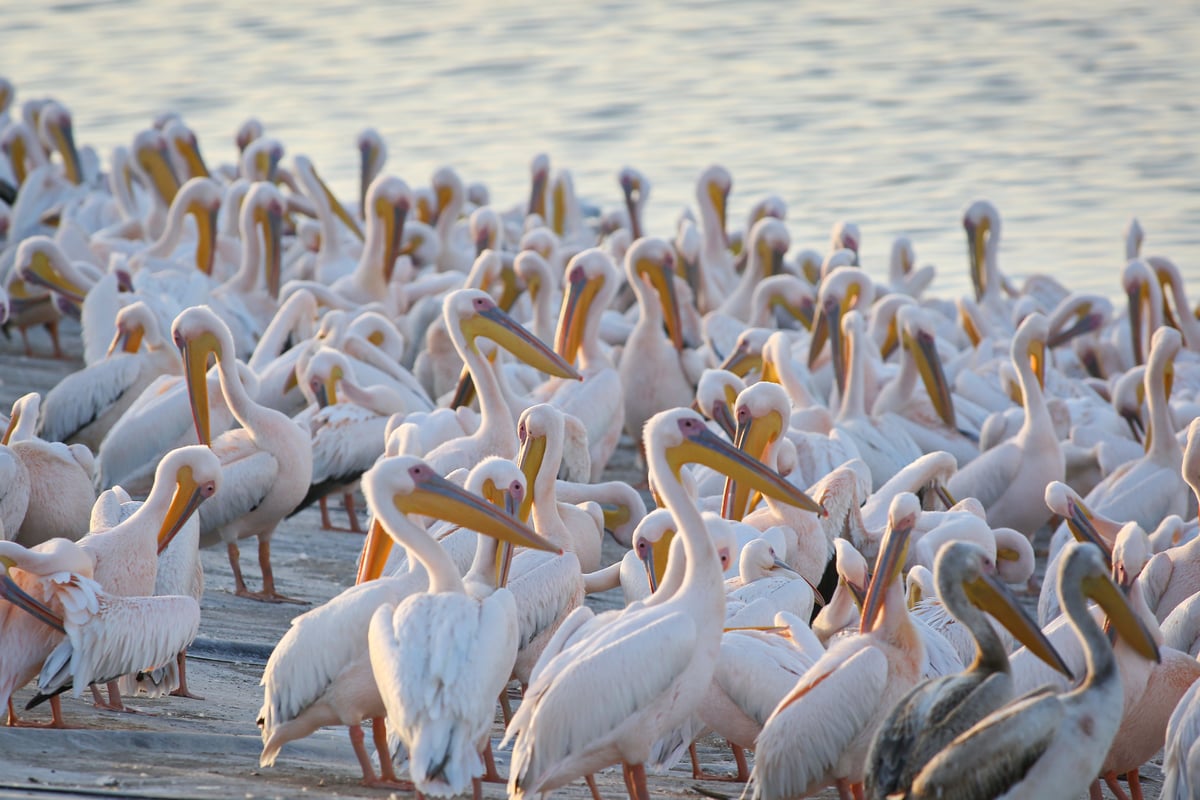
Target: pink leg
column 264, row 561
column 182, row 690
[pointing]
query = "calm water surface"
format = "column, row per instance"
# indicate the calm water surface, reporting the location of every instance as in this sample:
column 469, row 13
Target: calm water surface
column 891, row 116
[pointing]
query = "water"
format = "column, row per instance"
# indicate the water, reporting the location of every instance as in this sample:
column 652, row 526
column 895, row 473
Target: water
column 891, row 116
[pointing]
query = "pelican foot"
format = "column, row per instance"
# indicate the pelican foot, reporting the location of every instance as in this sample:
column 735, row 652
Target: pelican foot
column 270, row 597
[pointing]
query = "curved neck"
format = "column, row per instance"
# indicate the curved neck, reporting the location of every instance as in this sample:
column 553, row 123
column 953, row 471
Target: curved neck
column 854, row 403
column 990, row 654
column 701, row 577
column 1037, row 415
column 900, row 390
column 246, row 278
column 368, row 275
column 240, row 403
column 495, row 416
column 443, row 575
column 650, row 313
column 1164, row 447
column 166, row 243
column 289, row 320
column 1097, row 652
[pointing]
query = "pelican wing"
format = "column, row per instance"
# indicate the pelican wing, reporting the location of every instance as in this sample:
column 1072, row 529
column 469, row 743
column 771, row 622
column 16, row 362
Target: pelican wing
column 547, row 585
column 632, row 664
column 109, row 636
column 81, row 397
column 440, row 660
column 1183, row 733
column 247, row 475
column 995, row 755
column 758, row 670
column 987, row 477
column 826, row 711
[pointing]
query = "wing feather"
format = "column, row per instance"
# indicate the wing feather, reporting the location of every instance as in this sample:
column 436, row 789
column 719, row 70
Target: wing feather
column 81, row 397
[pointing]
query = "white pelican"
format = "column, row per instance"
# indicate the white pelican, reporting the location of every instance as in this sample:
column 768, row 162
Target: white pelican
column 389, row 200
column 670, row 642
column 716, row 274
column 441, row 658
column 266, row 464
column 766, row 582
column 981, row 221
column 84, row 406
column 30, row 637
column 1181, row 757
column 653, row 377
column 14, row 496
column 597, row 401
column 1009, row 479
column 471, row 313
column 837, row 705
column 59, row 478
column 1048, row 744
column 769, row 241
column 840, row 616
column 934, row 712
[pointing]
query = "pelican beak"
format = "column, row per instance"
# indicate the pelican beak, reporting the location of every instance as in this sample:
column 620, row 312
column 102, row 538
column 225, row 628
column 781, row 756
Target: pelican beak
column 944, row 494
column 615, row 515
column 291, row 382
column 153, row 160
column 326, row 390
column 195, row 368
column 464, row 390
column 40, row 271
column 338, row 209
column 661, row 276
column 720, row 198
column 888, row 565
column 393, row 216
column 1079, row 522
column 377, row 546
column 189, row 148
column 537, row 194
column 272, row 256
column 753, row 437
column 12, row 426
column 206, row 236
column 1138, row 293
column 10, row 591
column 434, row 496
column 502, row 329
column 1037, row 359
column 858, row 592
column 64, row 141
column 529, row 460
column 977, row 235
column 189, row 494
column 891, row 341
column 991, row 594
column 1087, row 322
column 824, row 328
column 782, row 566
column 722, row 417
column 742, row 361
column 508, row 499
column 366, row 155
column 775, row 262
column 575, row 311
column 129, row 340
column 929, row 365
column 702, row 446
column 1121, row 616
column 656, row 561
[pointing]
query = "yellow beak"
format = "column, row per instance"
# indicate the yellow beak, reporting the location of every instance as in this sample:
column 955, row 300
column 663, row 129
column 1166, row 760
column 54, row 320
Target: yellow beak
column 502, row 329
column 195, row 361
column 377, row 546
column 753, row 437
column 991, row 594
column 187, row 498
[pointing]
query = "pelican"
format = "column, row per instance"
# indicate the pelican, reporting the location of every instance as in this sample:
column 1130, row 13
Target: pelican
column 1181, row 758
column 471, row 313
column 716, row 272
column 84, row 406
column 767, row 582
column 879, row 663
column 769, row 241
column 653, row 378
column 557, row 738
column 934, row 712
column 440, row 658
column 266, row 464
column 59, row 478
column 840, row 616
column 598, row 399
column 1010, row 478
column 1048, row 744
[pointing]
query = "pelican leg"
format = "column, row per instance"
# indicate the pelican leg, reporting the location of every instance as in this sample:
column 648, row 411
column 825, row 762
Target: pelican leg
column 1094, row 791
column 591, row 782
column 269, row 594
column 505, row 706
column 13, row 720
column 235, row 563
column 388, row 781
column 635, row 781
column 52, row 328
column 56, row 719
column 25, row 339
column 843, row 789
column 348, row 502
column 1135, row 784
column 477, row 789
column 1110, row 778
column 739, row 756
column 182, row 689
column 857, row 790
column 114, row 699
column 490, row 774
column 326, row 522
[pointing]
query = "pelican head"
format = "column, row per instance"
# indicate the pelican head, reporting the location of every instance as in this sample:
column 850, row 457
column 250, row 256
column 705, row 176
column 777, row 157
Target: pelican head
column 968, row 565
column 503, row 484
column 1063, row 500
column 684, row 438
column 260, row 159
column 652, row 542
column 712, row 191
column 151, row 156
column 55, row 128
column 323, row 372
column 1130, row 553
column 636, row 188
column 41, row 261
column 716, row 397
column 1076, row 315
column 411, row 486
column 537, row 427
column 762, row 411
column 591, row 283
column 918, row 338
column 982, row 224
column 390, row 200
column 846, row 289
column 194, row 473
column 201, row 197
column 845, row 235
column 1082, row 571
column 372, row 152
column 1029, row 345
column 539, row 174
column 473, row 313
column 747, row 353
column 247, row 132
column 788, row 294
column 769, row 242
column 893, row 552
column 758, row 558
column 484, row 227
column 651, row 260
column 262, row 210
column 198, row 332
column 133, row 323
column 183, row 140
column 851, row 569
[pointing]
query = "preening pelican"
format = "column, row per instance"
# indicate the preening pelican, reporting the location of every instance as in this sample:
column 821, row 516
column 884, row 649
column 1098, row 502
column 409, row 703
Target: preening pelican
column 936, row 711
column 838, row 704
column 266, row 464
column 1048, row 744
column 669, row 643
column 442, row 657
